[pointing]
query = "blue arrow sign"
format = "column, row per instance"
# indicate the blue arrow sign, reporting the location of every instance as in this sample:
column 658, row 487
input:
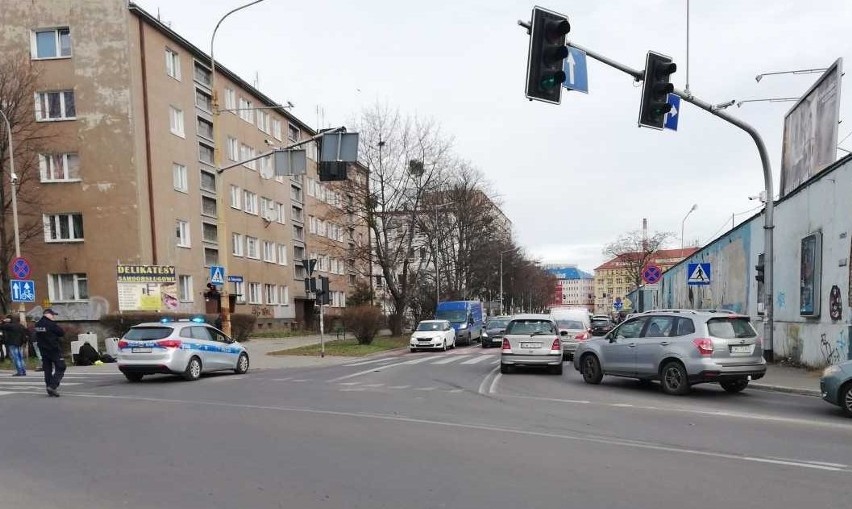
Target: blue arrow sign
column 23, row 290
column 576, row 75
column 672, row 116
column 217, row 274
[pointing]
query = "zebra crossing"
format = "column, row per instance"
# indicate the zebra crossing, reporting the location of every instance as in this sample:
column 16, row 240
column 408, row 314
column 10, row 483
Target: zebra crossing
column 435, row 360
column 34, row 381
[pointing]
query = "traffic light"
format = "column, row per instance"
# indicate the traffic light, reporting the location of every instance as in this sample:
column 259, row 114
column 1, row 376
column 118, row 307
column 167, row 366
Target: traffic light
column 546, row 54
column 759, row 269
column 656, row 89
column 323, row 291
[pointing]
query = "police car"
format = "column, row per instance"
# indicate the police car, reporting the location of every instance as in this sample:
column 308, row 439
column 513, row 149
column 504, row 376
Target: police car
column 185, row 347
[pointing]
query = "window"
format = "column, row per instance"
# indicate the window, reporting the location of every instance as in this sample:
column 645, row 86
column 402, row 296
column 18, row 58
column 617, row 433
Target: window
column 247, row 153
column 252, row 248
column 57, row 167
column 298, row 253
column 263, row 121
column 205, row 153
column 312, row 187
column 208, row 206
column 176, row 121
column 67, row 287
column 685, row 326
column 236, row 193
column 185, row 288
column 659, row 326
column 300, row 272
column 208, row 181
column 63, row 227
column 312, row 224
column 52, row 43
column 237, row 244
column 285, row 295
column 250, row 202
column 202, row 74
column 205, row 128
column 179, row 177
column 254, row 293
column 298, row 233
column 297, row 214
column 246, row 113
column 296, row 193
column 279, row 212
column 293, row 133
column 270, row 294
column 276, row 129
column 203, row 100
column 265, row 166
column 55, row 105
column 240, row 291
column 230, row 100
column 209, row 232
column 233, row 149
column 211, row 256
column 182, row 233
column 630, row 329
column 269, row 251
column 172, row 64
column 282, row 254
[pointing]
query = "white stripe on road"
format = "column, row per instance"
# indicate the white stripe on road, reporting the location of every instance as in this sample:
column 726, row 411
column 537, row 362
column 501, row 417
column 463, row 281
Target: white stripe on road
column 425, row 389
column 416, row 361
column 376, row 369
column 373, row 385
column 485, row 381
column 476, row 359
column 364, row 363
column 38, row 383
column 451, row 359
column 3, row 393
column 350, row 383
column 399, row 387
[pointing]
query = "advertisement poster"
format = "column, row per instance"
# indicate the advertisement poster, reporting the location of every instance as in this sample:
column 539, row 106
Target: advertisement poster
column 147, row 288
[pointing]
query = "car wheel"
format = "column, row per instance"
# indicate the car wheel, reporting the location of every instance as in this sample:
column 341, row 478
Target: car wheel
column 674, row 379
column 591, row 369
column 734, row 386
column 845, row 398
column 413, row 350
column 193, row 370
column 133, row 377
column 556, row 370
column 242, row 364
column 505, row 369
column 483, row 344
column 444, row 346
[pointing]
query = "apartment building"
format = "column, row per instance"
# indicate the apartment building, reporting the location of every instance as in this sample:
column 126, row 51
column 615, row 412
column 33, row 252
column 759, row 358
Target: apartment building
column 129, row 178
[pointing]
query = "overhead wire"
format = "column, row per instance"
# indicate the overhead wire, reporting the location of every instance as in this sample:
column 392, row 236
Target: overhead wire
column 725, row 224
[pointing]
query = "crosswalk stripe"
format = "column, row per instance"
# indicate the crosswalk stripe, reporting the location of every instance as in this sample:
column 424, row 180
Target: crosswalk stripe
column 3, row 393
column 364, row 363
column 418, row 361
column 399, row 386
column 34, row 383
column 372, row 385
column 475, row 360
column 451, row 359
column 425, row 388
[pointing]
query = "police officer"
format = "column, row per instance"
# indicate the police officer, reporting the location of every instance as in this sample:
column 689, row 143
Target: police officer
column 48, row 337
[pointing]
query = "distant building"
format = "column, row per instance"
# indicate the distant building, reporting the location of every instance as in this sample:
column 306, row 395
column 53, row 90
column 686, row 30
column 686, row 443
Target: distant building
column 574, row 287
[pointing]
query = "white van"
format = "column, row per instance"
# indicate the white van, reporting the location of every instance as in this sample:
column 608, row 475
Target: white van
column 574, row 325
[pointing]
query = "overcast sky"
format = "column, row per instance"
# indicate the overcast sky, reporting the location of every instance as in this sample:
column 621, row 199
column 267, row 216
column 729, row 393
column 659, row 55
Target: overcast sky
column 571, row 177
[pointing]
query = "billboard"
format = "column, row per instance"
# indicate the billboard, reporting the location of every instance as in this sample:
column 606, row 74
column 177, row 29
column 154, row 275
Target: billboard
column 810, row 130
column 146, row 288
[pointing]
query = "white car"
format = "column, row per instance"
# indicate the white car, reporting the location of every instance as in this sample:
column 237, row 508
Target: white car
column 433, row 335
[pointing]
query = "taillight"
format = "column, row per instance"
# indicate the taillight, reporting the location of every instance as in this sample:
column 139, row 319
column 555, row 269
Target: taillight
column 506, row 348
column 582, row 336
column 169, row 343
column 704, row 345
column 122, row 343
column 557, row 345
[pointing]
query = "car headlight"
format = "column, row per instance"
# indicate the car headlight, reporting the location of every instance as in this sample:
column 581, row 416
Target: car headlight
column 463, row 326
column 831, row 370
column 484, row 334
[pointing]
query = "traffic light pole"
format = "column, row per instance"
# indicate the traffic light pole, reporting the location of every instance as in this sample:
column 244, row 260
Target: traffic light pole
column 768, row 225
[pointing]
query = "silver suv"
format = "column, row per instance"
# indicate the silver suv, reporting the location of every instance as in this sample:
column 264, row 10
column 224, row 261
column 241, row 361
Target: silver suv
column 679, row 348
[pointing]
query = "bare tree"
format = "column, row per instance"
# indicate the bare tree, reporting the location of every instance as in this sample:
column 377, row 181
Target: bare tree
column 633, row 251
column 18, row 84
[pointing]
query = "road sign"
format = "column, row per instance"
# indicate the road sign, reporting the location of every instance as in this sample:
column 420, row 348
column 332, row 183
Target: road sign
column 698, row 274
column 235, row 279
column 673, row 115
column 20, row 267
column 217, row 274
column 651, row 274
column 23, row 290
column 576, row 73
column 617, row 304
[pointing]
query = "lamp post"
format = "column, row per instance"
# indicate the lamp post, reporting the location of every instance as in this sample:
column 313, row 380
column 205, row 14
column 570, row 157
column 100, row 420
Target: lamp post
column 799, row 71
column 437, row 248
column 683, row 224
column 13, row 178
column 222, row 230
column 501, row 276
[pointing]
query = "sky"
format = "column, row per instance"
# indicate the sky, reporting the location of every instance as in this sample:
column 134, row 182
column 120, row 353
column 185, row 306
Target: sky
column 571, row 177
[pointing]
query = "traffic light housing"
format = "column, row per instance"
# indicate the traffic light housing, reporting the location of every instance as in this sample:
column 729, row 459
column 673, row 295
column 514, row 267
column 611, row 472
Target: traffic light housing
column 655, row 90
column 323, row 290
column 330, row 171
column 759, row 268
column 546, row 55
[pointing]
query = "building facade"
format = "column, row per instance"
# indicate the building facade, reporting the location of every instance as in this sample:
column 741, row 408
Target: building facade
column 129, row 175
column 574, row 287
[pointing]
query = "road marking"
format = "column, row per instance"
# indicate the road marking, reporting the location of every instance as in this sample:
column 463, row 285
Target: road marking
column 373, row 385
column 425, row 388
column 301, row 380
column 282, row 379
column 34, row 383
column 493, row 388
column 349, row 383
column 475, row 360
column 399, row 387
column 495, row 362
column 364, row 363
column 415, row 361
column 450, row 359
column 3, row 393
column 455, row 390
column 376, row 369
column 604, row 441
column 485, row 381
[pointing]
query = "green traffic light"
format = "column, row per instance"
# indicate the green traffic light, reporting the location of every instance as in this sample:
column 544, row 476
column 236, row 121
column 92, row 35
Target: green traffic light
column 550, row 81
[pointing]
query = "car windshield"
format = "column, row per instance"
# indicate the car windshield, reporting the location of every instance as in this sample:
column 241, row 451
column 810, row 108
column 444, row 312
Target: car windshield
column 600, row 322
column 430, row 326
column 147, row 333
column 453, row 316
column 496, row 324
column 569, row 324
column 529, row 327
column 730, row 328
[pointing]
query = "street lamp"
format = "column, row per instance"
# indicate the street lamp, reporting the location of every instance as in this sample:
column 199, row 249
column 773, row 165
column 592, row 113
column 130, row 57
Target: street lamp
column 683, row 223
column 437, row 249
column 13, row 178
column 221, row 227
column 800, row 71
column 501, row 276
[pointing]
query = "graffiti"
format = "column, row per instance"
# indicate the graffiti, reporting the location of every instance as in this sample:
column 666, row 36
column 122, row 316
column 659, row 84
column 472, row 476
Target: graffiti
column 835, row 306
column 782, row 300
column 830, row 352
column 261, row 311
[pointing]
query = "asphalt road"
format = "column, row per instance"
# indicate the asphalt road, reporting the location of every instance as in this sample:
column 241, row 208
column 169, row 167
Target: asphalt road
column 424, row 430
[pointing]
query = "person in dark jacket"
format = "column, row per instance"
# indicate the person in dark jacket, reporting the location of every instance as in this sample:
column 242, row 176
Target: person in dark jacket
column 48, row 337
column 15, row 337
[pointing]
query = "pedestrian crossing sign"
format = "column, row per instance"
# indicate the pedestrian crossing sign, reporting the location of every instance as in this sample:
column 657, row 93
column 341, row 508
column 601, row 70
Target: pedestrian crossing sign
column 217, row 274
column 698, row 274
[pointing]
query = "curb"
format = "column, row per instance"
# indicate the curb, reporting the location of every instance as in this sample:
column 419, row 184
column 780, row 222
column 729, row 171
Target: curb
column 787, row 390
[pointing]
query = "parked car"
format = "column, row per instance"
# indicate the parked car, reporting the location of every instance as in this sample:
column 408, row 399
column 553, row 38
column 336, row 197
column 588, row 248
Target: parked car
column 531, row 340
column 433, row 335
column 186, row 347
column 678, row 347
column 574, row 327
column 465, row 316
column 495, row 326
column 601, row 325
column 836, row 386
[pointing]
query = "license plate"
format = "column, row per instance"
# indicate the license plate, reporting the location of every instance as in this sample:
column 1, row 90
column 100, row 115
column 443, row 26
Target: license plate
column 741, row 348
column 530, row 345
column 140, row 350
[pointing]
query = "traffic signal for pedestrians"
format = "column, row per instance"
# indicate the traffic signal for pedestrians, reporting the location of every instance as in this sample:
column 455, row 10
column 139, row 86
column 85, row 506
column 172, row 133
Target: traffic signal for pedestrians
column 759, row 269
column 546, row 54
column 656, row 89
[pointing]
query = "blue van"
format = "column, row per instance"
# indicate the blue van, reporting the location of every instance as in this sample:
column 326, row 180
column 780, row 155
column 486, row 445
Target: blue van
column 465, row 316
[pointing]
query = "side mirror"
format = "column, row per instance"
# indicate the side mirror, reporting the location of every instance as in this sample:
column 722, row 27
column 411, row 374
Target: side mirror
column 563, row 333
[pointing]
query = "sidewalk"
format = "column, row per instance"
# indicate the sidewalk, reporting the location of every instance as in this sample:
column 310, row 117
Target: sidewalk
column 260, row 347
column 788, row 379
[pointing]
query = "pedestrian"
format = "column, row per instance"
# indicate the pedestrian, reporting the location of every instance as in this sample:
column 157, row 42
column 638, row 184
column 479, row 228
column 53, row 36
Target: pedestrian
column 48, row 338
column 15, row 339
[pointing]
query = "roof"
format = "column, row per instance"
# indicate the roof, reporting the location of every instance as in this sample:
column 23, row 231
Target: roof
column 568, row 272
column 663, row 256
